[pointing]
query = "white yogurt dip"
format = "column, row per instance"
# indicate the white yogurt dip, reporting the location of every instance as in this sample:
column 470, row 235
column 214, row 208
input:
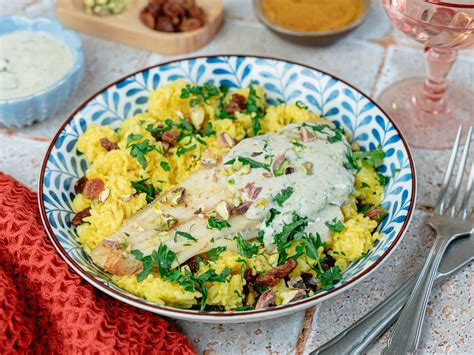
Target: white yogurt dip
column 31, row 62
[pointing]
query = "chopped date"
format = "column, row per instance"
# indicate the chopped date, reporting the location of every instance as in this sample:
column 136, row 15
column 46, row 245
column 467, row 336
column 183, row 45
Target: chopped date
column 108, row 145
column 249, row 277
column 92, row 188
column 271, row 277
column 79, row 217
column 79, row 186
column 192, row 263
column 237, row 104
column 164, row 24
column 172, row 15
column 190, row 24
column 170, row 137
column 328, row 263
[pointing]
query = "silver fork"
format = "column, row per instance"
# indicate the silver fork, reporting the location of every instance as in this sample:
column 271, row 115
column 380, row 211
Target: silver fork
column 449, row 222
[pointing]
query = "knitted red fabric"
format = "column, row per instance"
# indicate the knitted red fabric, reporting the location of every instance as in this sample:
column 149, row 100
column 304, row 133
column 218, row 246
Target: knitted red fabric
column 45, row 307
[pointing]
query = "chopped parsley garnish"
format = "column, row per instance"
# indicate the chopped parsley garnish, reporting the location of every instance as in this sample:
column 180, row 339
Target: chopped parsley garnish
column 352, row 162
column 209, row 131
column 184, row 235
column 313, row 243
column 260, row 236
column 248, row 161
column 290, row 232
column 199, row 93
column 139, row 150
column 254, row 110
column 337, row 136
column 214, row 253
column 245, row 248
column 283, row 195
column 364, row 185
column 149, row 189
column 318, row 128
column 219, row 224
column 363, row 208
column 335, row 226
column 329, row 277
column 384, row 180
column 272, row 213
column 165, row 166
column 147, row 263
column 372, row 157
column 183, row 150
column 300, row 104
column 242, row 308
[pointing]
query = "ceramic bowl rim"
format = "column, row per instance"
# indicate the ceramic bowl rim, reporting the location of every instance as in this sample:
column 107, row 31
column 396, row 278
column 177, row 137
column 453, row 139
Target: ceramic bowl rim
column 244, row 316
column 77, row 53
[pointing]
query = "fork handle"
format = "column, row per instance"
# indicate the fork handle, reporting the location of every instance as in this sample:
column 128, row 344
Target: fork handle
column 407, row 330
column 355, row 339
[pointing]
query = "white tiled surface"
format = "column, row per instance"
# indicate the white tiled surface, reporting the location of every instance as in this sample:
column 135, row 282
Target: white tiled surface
column 372, row 57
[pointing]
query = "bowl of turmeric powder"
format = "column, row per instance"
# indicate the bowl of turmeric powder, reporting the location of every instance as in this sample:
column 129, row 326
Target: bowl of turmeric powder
column 310, row 21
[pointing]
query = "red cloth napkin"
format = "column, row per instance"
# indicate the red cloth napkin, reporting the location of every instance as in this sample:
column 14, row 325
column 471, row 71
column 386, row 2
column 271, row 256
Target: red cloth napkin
column 45, row 307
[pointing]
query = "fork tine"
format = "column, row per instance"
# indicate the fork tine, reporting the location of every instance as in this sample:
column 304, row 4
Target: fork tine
column 460, row 175
column 447, row 176
column 465, row 202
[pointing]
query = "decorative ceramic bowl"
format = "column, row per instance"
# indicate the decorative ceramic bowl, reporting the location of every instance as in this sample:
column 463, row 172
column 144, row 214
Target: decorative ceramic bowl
column 316, row 38
column 283, row 80
column 25, row 110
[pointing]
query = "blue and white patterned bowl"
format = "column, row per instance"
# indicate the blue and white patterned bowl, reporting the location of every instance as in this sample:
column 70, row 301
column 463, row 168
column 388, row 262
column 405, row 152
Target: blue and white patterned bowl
column 324, row 94
column 25, row 110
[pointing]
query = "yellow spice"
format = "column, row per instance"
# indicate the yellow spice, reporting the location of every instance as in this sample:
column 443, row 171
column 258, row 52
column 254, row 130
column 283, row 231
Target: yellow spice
column 312, row 15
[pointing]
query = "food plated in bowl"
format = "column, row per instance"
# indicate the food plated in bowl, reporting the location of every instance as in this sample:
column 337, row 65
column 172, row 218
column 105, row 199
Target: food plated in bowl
column 41, row 65
column 214, row 191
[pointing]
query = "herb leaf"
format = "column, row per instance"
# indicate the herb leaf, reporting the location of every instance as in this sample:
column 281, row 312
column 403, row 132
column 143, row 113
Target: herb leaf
column 139, row 150
column 335, row 226
column 313, row 243
column 184, row 235
column 290, row 232
column 147, row 263
column 183, row 150
column 214, row 253
column 149, row 189
column 248, row 161
column 165, row 166
column 329, row 277
column 272, row 213
column 372, row 157
column 246, row 248
column 283, row 195
column 219, row 224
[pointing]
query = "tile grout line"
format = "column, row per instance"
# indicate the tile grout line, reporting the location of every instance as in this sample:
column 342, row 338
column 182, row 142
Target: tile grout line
column 305, row 331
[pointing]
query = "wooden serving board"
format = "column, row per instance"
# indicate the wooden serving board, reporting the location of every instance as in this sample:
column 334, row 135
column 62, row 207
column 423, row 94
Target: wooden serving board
column 127, row 27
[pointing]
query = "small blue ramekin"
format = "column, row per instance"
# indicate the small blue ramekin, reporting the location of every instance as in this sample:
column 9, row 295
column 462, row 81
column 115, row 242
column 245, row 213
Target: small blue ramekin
column 26, row 110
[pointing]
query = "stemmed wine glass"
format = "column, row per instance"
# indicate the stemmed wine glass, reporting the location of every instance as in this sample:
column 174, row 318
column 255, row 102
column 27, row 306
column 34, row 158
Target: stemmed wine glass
column 430, row 110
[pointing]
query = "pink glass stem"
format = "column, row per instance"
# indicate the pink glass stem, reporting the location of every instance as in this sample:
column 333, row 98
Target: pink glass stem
column 438, row 63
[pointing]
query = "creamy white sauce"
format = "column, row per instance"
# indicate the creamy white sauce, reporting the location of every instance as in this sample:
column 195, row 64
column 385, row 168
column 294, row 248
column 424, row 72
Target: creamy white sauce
column 318, row 196
column 31, row 62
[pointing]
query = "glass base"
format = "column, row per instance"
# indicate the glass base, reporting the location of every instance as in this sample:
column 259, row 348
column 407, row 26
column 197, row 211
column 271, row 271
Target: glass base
column 421, row 128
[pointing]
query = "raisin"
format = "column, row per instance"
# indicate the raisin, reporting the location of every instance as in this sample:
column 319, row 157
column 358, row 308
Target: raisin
column 79, row 217
column 108, row 145
column 79, row 186
column 92, row 188
column 271, row 277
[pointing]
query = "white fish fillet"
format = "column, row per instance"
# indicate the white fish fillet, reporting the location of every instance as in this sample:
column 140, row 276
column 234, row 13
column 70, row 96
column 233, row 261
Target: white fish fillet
column 185, row 208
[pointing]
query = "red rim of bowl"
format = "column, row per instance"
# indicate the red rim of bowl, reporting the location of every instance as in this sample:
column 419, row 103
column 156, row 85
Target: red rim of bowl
column 143, row 304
